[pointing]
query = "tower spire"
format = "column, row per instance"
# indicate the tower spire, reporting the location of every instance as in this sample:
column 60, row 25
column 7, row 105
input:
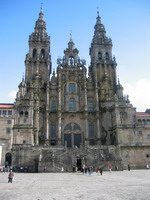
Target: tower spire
column 70, row 36
column 40, row 26
column 41, row 9
column 71, row 43
column 100, row 33
column 97, row 11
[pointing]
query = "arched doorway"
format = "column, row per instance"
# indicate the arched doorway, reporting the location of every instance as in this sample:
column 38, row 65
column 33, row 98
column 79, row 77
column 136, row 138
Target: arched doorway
column 8, row 159
column 72, row 135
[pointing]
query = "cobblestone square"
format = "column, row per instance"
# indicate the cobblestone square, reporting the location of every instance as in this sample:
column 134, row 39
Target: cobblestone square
column 121, row 185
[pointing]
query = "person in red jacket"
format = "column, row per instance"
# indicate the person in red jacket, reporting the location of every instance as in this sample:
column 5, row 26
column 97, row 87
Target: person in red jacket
column 10, row 177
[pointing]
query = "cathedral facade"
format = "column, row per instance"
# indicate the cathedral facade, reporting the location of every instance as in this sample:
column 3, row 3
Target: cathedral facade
column 75, row 116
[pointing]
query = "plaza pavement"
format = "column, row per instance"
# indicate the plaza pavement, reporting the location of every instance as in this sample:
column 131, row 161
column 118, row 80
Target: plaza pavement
column 121, row 185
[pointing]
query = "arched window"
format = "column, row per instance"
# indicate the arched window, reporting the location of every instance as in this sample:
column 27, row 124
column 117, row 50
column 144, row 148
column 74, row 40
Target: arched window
column 107, row 56
column 90, row 106
column 21, row 113
column 72, row 88
column 65, row 89
column 53, row 106
column 63, row 77
column 76, row 127
column 100, row 56
column 26, row 114
column 148, row 121
column 53, row 130
column 34, row 53
column 91, row 130
column 72, row 135
column 143, row 122
column 72, row 104
column 42, row 53
column 68, row 127
column 71, row 61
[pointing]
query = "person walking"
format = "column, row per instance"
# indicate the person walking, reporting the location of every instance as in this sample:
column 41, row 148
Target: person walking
column 98, row 171
column 110, row 168
column 10, row 177
column 147, row 166
column 129, row 168
column 62, row 169
column 101, row 171
column 44, row 170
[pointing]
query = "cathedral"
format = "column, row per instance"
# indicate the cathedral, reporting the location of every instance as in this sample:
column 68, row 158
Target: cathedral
column 75, row 116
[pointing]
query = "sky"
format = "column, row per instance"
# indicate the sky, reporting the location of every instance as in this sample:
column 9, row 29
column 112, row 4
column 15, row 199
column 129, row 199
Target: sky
column 127, row 23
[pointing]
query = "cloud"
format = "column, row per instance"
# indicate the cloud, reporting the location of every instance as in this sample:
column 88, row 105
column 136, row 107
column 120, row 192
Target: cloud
column 12, row 94
column 139, row 94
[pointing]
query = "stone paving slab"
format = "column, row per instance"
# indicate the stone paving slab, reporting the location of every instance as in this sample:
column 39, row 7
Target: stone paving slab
column 122, row 185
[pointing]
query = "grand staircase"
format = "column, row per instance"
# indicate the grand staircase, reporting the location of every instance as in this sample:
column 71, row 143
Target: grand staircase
column 54, row 159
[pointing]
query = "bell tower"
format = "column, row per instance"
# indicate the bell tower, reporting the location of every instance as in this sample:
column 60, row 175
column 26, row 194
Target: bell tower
column 32, row 101
column 103, row 64
column 38, row 59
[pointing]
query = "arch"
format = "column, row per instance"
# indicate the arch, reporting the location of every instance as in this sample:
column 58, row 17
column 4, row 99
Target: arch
column 99, row 55
column 72, row 135
column 21, row 113
column 91, row 129
column 148, row 121
column 34, row 53
column 68, row 127
column 8, row 159
column 71, row 60
column 72, row 87
column 53, row 130
column 76, row 127
column 90, row 106
column 72, row 126
column 72, row 104
column 42, row 53
column 26, row 114
column 53, row 106
column 107, row 55
column 63, row 77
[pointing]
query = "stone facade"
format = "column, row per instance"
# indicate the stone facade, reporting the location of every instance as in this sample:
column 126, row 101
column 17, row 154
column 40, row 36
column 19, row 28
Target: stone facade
column 6, row 133
column 75, row 116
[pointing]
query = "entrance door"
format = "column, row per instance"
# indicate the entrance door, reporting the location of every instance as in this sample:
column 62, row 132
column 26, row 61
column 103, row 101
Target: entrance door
column 72, row 135
column 8, row 159
column 77, row 140
column 79, row 164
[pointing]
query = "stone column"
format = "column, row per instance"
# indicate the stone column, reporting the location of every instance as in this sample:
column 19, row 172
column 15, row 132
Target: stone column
column 98, row 127
column 36, row 121
column 47, row 110
column 86, row 127
column 59, row 108
column 86, row 107
column 97, row 106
